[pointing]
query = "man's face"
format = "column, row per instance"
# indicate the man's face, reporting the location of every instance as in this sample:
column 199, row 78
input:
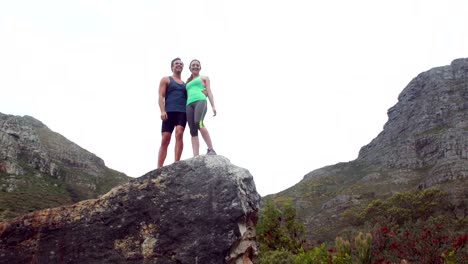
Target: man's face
column 177, row 66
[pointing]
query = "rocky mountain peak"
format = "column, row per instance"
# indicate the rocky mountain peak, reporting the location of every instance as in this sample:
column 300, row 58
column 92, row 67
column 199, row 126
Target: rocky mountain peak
column 47, row 168
column 29, row 139
column 428, row 127
column 424, row 144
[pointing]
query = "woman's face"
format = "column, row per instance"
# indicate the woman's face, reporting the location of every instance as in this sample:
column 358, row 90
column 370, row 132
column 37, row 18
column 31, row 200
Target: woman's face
column 195, row 67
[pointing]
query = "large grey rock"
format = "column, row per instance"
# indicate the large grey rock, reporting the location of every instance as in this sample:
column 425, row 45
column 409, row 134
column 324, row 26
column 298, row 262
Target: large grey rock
column 201, row 210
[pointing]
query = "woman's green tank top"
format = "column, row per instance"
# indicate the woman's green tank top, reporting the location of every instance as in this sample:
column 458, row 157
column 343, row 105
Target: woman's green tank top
column 194, row 90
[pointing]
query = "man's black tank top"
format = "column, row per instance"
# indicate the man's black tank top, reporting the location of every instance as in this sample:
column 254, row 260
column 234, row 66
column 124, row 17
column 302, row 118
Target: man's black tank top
column 176, row 97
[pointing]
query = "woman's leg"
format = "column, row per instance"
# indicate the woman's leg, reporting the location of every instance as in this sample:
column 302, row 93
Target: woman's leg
column 200, row 112
column 206, row 137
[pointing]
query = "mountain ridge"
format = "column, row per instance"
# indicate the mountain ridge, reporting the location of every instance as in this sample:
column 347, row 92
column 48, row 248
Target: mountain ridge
column 40, row 168
column 424, row 144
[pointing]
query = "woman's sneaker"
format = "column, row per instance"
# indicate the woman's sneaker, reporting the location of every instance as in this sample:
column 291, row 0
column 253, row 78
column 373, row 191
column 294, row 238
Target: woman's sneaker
column 211, row 152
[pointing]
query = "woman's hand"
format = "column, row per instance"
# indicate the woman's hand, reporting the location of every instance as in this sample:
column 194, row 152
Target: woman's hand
column 214, row 111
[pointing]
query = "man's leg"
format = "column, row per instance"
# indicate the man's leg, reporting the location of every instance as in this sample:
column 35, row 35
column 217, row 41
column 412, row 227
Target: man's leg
column 179, row 145
column 166, row 139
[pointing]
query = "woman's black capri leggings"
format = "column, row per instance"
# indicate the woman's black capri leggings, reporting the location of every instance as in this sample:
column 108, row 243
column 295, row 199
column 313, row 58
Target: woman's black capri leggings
column 196, row 112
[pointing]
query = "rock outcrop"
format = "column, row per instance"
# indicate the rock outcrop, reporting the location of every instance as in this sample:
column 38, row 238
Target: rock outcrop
column 40, row 168
column 428, row 128
column 29, row 139
column 200, row 210
column 423, row 144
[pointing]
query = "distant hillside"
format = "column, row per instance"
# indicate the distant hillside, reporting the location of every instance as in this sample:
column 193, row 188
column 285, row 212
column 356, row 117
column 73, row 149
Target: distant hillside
column 424, row 144
column 40, row 168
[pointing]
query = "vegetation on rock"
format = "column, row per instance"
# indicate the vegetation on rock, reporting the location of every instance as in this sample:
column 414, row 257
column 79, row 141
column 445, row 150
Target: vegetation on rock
column 412, row 227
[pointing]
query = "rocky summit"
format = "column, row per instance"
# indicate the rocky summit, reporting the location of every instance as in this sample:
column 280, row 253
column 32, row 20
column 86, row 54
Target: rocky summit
column 40, row 168
column 427, row 130
column 424, row 144
column 201, row 210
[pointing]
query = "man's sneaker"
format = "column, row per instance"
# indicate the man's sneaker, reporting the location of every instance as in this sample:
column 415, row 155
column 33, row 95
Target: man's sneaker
column 211, row 152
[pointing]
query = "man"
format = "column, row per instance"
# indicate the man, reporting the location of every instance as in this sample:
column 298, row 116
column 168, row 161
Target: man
column 172, row 103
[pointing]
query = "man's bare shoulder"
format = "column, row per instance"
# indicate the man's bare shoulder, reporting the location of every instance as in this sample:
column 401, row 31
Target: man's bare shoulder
column 165, row 80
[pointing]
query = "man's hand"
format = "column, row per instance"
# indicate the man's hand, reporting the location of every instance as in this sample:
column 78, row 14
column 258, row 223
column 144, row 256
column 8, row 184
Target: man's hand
column 163, row 116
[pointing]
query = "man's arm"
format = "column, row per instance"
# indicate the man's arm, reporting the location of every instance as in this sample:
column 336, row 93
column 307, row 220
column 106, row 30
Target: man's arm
column 162, row 95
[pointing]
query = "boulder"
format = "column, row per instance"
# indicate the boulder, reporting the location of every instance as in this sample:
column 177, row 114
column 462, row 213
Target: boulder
column 201, row 210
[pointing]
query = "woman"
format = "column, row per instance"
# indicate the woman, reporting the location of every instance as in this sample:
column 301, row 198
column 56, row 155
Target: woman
column 198, row 89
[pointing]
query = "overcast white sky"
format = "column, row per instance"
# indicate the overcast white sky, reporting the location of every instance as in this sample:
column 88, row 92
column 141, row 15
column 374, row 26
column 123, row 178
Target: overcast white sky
column 298, row 85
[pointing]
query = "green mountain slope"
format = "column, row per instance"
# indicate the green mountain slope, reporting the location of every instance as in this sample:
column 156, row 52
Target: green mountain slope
column 40, row 169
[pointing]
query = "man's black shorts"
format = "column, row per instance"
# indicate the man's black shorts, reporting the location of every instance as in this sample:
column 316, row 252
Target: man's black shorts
column 174, row 119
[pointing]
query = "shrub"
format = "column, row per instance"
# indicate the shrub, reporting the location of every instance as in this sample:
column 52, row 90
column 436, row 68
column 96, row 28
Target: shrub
column 403, row 228
column 276, row 257
column 278, row 229
column 343, row 251
column 363, row 244
column 317, row 255
column 422, row 241
column 410, row 206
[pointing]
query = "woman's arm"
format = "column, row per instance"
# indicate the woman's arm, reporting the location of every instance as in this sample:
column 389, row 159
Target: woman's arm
column 206, row 81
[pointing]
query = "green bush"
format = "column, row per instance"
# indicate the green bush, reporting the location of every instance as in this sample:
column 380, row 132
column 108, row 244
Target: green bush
column 278, row 229
column 276, row 257
column 402, row 228
column 409, row 206
column 343, row 251
column 317, row 255
column 363, row 244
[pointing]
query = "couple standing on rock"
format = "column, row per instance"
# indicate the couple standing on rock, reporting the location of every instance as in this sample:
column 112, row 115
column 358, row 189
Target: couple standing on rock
column 180, row 103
